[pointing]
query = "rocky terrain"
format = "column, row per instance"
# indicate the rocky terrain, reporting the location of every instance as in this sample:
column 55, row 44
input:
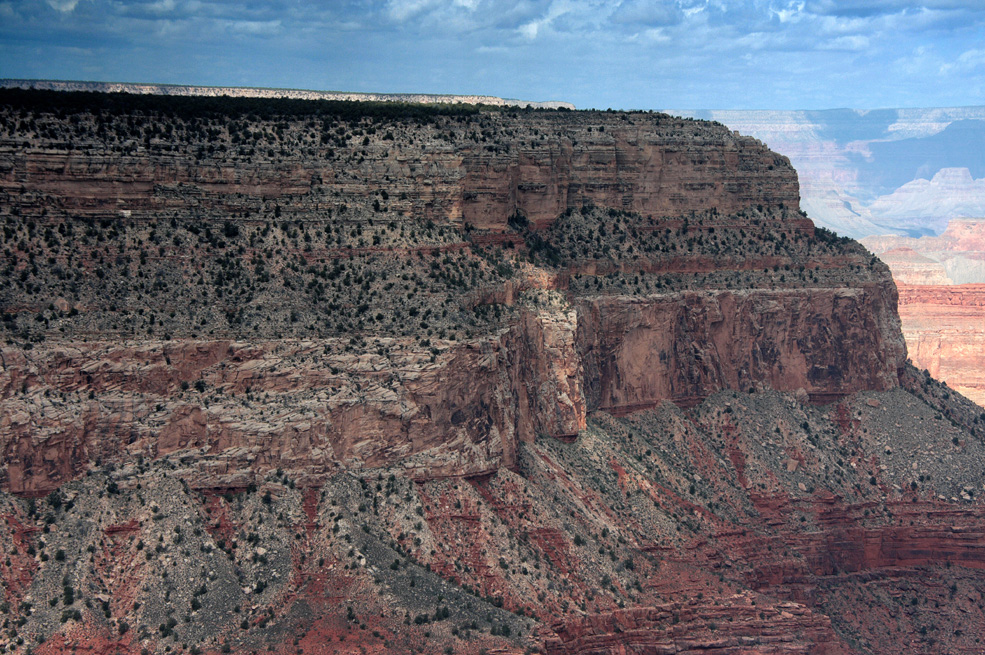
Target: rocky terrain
column 291, row 376
column 942, row 301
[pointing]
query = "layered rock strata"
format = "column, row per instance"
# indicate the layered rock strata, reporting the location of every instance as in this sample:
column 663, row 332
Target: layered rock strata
column 944, row 327
column 942, row 301
column 313, row 291
column 372, row 379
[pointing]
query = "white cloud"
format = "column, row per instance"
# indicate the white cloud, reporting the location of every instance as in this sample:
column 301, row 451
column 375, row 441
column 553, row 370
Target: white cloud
column 656, row 35
column 63, row 6
column 791, row 13
column 969, row 60
column 254, row 27
column 401, row 10
column 556, row 10
column 529, row 31
column 404, row 10
column 692, row 11
column 647, row 13
column 162, row 6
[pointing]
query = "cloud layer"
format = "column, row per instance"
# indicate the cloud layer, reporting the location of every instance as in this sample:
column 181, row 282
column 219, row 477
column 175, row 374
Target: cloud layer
column 630, row 54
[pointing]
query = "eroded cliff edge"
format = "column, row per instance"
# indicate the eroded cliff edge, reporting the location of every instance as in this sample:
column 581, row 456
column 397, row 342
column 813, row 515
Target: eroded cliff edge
column 363, row 286
column 377, row 378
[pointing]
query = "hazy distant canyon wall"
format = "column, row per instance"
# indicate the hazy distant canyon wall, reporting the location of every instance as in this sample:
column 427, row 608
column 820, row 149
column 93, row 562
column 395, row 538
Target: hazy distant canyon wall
column 899, row 171
column 941, row 282
column 294, row 94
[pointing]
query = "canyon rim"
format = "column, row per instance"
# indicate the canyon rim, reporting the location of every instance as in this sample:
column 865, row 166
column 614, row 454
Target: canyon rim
column 282, row 375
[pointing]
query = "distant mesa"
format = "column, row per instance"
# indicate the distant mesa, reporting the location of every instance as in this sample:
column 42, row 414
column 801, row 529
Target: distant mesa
column 255, row 92
column 959, row 251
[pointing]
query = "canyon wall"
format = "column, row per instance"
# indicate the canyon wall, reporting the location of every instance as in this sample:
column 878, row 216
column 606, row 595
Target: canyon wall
column 279, row 361
column 375, row 379
column 683, row 347
column 477, row 170
column 944, row 328
column 942, row 301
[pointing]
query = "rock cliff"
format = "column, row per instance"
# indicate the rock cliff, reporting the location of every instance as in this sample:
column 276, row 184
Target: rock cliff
column 236, row 281
column 942, row 299
column 943, row 329
column 323, row 376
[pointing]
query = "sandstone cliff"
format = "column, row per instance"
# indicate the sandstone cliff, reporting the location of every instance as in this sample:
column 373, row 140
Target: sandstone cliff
column 335, row 284
column 942, row 321
column 375, row 378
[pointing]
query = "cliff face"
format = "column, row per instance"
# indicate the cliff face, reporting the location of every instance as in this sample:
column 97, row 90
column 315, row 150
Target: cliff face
column 942, row 301
column 943, row 330
column 685, row 346
column 388, row 375
column 300, row 227
column 654, row 168
column 478, row 170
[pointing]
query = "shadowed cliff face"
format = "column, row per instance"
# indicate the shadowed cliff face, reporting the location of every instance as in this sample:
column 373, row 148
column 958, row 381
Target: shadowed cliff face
column 355, row 378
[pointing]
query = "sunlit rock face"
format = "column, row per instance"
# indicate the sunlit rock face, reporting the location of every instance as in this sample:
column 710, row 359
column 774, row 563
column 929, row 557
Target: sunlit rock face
column 942, row 300
column 383, row 378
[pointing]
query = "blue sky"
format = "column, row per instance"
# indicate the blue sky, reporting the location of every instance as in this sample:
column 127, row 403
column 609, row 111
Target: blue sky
column 629, row 54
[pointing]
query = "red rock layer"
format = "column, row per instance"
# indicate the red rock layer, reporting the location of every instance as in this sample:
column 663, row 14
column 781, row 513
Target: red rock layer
column 944, row 328
column 739, row 628
column 628, row 167
column 683, row 347
column 648, row 164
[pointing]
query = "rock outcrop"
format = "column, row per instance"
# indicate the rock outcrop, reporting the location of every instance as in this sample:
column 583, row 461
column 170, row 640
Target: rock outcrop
column 392, row 379
column 683, row 347
column 313, row 372
column 942, row 301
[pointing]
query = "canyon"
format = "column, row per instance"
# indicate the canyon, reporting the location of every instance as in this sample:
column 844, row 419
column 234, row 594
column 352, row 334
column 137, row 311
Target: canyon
column 873, row 172
column 941, row 282
column 309, row 376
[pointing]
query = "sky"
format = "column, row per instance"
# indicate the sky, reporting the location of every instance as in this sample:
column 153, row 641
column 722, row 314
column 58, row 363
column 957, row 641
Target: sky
column 626, row 54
